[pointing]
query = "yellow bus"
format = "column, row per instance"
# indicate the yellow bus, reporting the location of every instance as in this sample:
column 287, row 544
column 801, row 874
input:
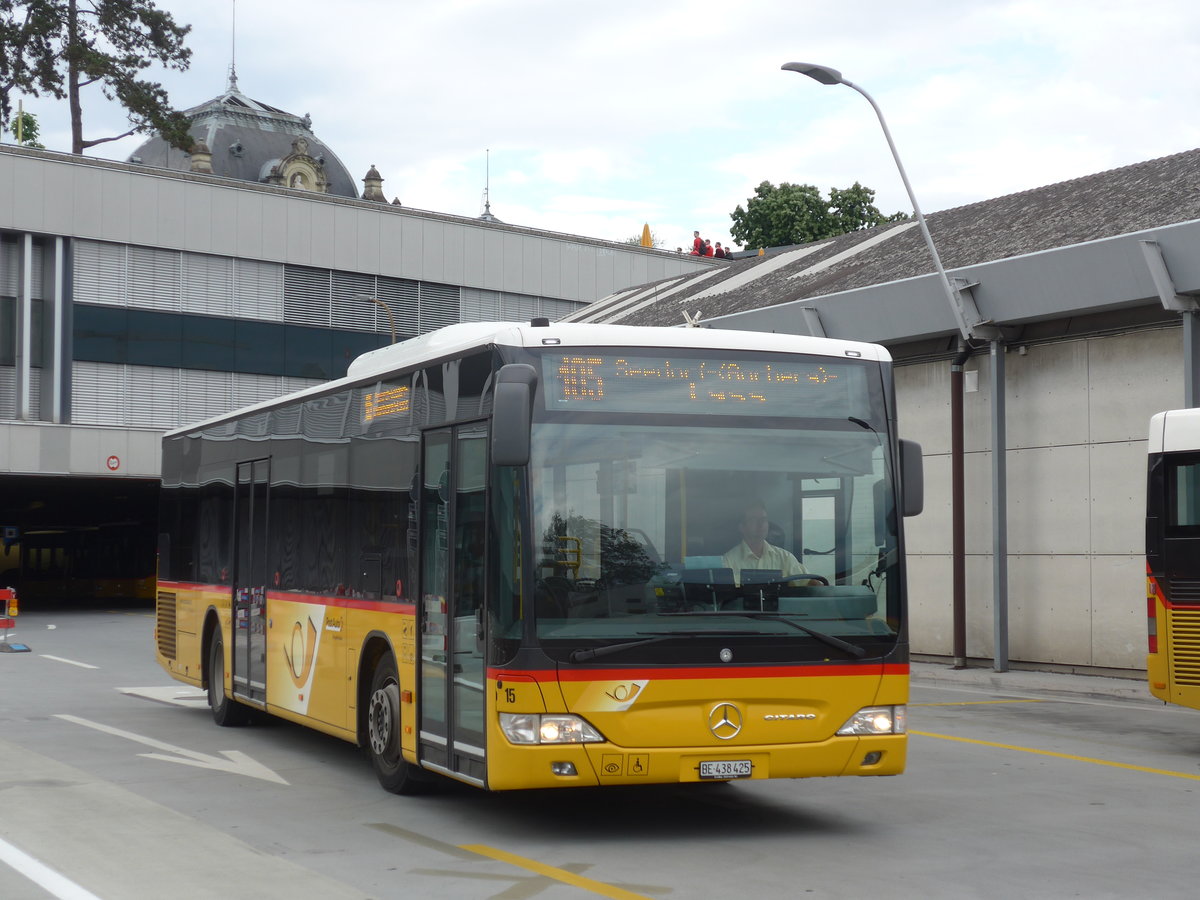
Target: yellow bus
column 550, row 555
column 1173, row 557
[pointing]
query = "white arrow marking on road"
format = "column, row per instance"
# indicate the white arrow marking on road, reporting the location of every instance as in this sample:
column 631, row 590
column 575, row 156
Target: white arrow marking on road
column 235, row 762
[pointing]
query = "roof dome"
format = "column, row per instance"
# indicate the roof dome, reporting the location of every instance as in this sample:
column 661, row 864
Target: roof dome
column 252, row 141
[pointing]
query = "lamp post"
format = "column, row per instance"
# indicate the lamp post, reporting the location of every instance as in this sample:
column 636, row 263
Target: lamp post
column 970, row 324
column 826, row 75
column 386, row 309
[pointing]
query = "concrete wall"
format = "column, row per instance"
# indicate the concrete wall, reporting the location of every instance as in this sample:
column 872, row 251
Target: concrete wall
column 1078, row 413
column 79, row 450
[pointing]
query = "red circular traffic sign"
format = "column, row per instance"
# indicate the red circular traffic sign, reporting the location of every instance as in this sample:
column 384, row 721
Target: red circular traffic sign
column 114, row 463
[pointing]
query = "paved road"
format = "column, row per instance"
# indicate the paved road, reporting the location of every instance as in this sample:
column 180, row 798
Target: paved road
column 1019, row 785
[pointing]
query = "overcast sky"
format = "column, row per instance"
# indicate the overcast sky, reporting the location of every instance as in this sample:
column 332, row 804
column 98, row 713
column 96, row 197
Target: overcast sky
column 601, row 117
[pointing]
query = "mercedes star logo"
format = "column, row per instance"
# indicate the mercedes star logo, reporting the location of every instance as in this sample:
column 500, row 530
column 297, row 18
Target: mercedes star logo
column 725, row 721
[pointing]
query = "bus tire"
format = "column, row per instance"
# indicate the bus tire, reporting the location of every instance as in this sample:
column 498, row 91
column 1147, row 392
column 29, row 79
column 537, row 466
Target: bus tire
column 394, row 772
column 226, row 711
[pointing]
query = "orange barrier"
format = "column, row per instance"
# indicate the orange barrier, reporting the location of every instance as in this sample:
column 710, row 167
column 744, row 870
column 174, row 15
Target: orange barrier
column 8, row 621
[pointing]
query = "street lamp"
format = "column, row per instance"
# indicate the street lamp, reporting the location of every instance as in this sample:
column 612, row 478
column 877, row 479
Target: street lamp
column 826, row 75
column 970, row 324
column 386, row 309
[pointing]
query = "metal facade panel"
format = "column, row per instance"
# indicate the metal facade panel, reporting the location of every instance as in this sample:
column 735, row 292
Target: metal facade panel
column 550, row 276
column 9, row 212
column 24, row 445
column 454, row 254
column 354, row 249
column 253, row 237
column 322, row 228
column 494, row 263
column 91, row 448
column 118, row 205
column 223, row 222
column 391, row 243
column 410, row 250
column 87, row 207
column 201, row 229
column 143, row 212
column 513, row 277
column 30, row 200
column 172, row 212
column 433, row 251
column 586, row 265
column 569, row 276
column 1048, row 500
column 298, row 232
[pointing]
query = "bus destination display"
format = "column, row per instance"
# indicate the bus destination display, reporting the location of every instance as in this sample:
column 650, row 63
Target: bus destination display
column 719, row 386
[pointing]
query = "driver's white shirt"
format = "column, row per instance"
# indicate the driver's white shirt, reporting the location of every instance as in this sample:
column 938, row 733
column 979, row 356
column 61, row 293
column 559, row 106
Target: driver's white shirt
column 742, row 557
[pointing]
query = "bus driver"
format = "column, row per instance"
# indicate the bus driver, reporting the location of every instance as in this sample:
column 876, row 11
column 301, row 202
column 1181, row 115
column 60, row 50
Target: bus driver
column 755, row 553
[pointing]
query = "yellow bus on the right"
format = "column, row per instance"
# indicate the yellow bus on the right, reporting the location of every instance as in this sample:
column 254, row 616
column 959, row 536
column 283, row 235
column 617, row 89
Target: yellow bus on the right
column 1173, row 557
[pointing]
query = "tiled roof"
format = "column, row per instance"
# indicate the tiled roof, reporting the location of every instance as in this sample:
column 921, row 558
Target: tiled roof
column 1133, row 198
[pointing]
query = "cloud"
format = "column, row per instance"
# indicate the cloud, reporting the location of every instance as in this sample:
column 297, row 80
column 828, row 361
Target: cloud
column 605, row 117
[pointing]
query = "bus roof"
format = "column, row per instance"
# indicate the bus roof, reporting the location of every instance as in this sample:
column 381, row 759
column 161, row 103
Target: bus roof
column 1174, row 431
column 461, row 339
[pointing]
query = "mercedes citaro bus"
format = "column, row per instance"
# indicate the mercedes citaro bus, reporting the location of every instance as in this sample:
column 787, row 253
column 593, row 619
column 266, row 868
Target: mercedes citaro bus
column 505, row 554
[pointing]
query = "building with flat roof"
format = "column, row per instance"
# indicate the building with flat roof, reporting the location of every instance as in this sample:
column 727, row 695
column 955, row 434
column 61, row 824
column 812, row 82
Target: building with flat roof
column 1081, row 302
column 139, row 296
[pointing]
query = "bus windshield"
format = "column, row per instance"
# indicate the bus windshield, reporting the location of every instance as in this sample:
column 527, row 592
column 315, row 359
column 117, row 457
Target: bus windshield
column 651, row 529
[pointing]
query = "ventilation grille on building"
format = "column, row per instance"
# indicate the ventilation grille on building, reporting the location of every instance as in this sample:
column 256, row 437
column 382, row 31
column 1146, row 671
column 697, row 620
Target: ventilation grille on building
column 155, row 397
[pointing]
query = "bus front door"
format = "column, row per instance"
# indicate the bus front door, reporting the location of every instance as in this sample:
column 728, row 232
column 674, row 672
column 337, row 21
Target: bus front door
column 248, row 644
column 453, row 550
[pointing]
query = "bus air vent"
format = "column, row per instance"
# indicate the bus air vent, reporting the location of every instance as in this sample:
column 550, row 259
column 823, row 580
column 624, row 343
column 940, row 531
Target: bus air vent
column 1184, row 627
column 1183, row 590
column 165, row 613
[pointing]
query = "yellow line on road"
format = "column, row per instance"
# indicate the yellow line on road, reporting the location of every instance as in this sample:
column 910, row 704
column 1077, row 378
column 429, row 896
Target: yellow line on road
column 977, row 702
column 587, row 884
column 1086, row 759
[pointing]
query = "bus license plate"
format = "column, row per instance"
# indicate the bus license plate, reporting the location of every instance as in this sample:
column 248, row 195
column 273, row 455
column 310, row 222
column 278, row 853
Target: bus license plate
column 725, row 768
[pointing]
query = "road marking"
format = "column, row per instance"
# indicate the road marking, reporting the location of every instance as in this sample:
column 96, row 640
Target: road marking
column 176, row 695
column 587, row 884
column 69, row 662
column 42, row 875
column 235, row 762
column 979, row 702
column 1052, row 753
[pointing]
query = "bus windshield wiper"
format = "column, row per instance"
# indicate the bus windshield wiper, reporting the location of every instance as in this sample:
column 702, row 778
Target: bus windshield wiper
column 833, row 641
column 581, row 655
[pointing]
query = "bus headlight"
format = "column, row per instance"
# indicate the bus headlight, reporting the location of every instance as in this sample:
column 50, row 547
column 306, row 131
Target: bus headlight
column 877, row 720
column 557, row 728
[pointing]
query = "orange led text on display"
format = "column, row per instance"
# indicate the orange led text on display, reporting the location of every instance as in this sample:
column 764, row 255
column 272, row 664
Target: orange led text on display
column 583, row 378
column 391, row 402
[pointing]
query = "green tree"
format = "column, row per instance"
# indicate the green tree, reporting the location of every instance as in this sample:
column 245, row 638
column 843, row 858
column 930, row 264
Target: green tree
column 59, row 47
column 799, row 214
column 25, row 130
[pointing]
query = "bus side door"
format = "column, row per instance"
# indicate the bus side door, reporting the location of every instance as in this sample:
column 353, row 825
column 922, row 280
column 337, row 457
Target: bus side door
column 453, row 550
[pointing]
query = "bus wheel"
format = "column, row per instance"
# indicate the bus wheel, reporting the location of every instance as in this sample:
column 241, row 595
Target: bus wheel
column 383, row 733
column 225, row 711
